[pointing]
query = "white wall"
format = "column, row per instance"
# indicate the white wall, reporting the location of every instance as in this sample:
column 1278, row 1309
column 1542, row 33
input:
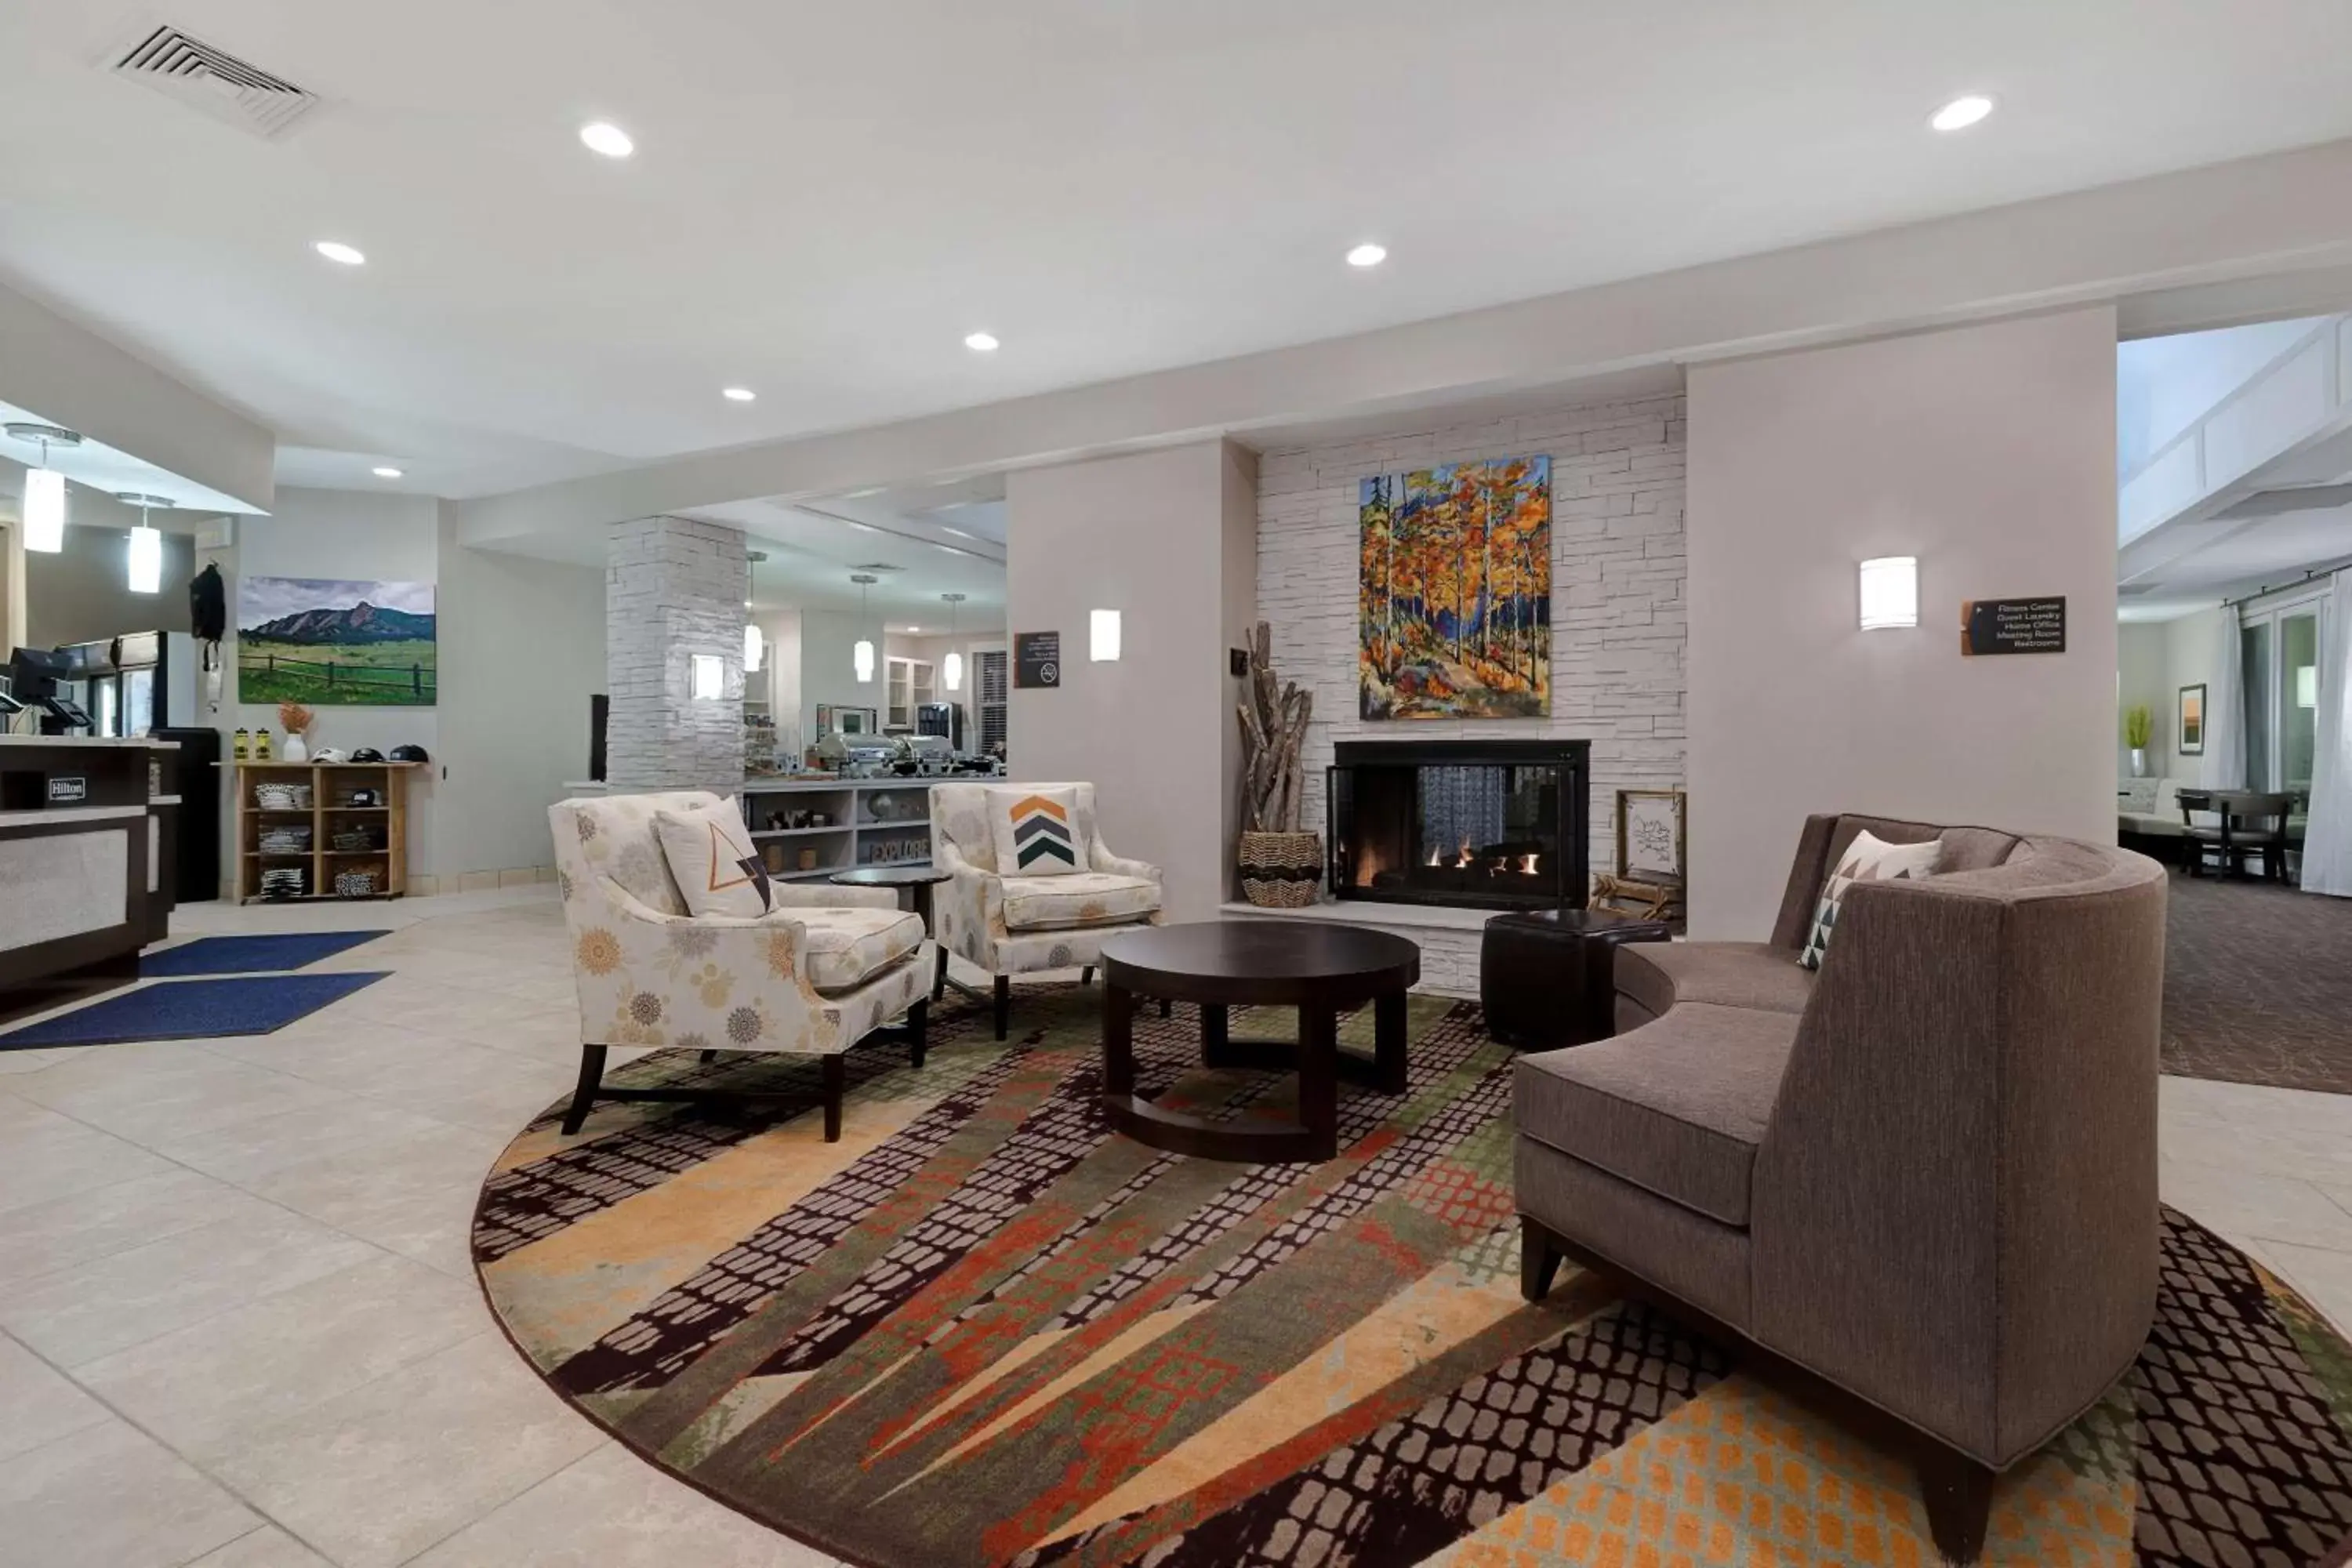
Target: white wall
column 522, row 651
column 2142, row 680
column 2193, row 657
column 828, row 671
column 780, row 667
column 1158, row 537
column 1989, row 453
column 340, row 534
column 82, row 595
column 1617, row 613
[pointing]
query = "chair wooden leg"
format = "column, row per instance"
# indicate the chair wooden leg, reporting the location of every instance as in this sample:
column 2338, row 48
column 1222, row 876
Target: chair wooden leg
column 1004, row 1003
column 939, row 977
column 1538, row 1261
column 710, row 1057
column 1086, row 974
column 918, row 1026
column 583, row 1098
column 836, row 1077
column 1166, row 1007
column 1958, row 1494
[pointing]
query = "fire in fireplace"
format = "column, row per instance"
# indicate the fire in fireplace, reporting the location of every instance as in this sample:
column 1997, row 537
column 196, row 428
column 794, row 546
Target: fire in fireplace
column 1484, row 824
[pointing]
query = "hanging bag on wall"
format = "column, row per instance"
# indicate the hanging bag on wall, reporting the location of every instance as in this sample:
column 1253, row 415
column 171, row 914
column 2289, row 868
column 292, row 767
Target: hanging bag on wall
column 208, row 606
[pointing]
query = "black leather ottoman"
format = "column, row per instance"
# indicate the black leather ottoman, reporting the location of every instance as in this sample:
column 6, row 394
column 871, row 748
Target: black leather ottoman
column 1546, row 977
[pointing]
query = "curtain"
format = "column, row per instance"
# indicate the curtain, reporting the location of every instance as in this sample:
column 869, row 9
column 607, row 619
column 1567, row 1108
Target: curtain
column 1462, row 805
column 2328, row 840
column 2225, row 710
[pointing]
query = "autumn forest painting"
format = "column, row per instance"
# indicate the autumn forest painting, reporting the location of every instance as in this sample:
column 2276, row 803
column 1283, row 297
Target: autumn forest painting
column 1454, row 592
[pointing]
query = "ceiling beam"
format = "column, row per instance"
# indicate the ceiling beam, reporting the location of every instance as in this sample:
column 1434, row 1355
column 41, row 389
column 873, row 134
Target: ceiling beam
column 71, row 376
column 2277, row 214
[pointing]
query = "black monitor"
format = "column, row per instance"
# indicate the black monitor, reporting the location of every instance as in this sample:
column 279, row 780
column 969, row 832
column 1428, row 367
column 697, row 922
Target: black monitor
column 32, row 675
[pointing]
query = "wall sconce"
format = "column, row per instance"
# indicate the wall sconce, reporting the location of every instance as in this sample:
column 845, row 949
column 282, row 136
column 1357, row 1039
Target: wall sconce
column 709, row 677
column 1102, row 636
column 755, row 648
column 1890, row 592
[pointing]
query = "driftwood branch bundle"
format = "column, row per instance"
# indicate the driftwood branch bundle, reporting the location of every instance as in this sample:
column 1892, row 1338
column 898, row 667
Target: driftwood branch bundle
column 1274, row 725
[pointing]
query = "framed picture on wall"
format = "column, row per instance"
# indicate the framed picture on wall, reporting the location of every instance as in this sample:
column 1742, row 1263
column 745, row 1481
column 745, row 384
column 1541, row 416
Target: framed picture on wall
column 2192, row 720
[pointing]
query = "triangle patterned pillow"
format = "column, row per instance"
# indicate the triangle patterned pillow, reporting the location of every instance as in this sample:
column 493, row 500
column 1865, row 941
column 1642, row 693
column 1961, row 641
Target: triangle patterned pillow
column 713, row 860
column 1867, row 859
column 1036, row 832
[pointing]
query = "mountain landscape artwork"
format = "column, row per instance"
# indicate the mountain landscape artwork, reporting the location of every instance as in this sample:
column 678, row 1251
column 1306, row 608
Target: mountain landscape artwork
column 319, row 640
column 1454, row 591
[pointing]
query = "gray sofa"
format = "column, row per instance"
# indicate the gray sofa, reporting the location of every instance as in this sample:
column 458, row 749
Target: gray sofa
column 1926, row 1174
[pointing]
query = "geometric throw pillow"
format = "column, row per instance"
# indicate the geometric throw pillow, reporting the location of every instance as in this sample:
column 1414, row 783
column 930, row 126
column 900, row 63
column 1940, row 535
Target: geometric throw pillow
column 712, row 859
column 1036, row 832
column 1867, row 859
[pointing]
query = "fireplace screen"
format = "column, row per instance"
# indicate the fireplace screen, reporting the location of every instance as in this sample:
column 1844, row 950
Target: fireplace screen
column 1496, row 825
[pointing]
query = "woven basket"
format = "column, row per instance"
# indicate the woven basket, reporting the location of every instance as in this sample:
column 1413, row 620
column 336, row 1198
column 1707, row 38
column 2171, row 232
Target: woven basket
column 1280, row 871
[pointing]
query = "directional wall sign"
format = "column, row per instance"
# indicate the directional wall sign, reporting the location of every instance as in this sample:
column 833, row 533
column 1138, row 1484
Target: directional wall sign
column 1036, row 658
column 2014, row 626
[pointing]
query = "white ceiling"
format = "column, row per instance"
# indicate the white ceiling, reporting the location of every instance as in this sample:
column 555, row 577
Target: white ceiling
column 95, row 467
column 827, row 197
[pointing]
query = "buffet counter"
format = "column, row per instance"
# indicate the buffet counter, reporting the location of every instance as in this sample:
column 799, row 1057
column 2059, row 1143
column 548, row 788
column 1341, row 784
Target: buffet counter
column 85, row 836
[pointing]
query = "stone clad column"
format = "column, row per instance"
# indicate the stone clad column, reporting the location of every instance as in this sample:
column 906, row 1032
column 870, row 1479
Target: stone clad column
column 673, row 588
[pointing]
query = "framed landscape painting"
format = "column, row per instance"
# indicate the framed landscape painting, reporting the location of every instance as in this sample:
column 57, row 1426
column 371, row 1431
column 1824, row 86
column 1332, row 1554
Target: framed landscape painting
column 1454, row 591
column 2192, row 720
column 325, row 641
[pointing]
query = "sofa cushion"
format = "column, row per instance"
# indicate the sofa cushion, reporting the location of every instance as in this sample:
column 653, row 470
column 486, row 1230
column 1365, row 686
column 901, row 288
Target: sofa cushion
column 1658, row 974
column 1868, row 859
column 1676, row 1107
column 847, row 947
column 1077, row 899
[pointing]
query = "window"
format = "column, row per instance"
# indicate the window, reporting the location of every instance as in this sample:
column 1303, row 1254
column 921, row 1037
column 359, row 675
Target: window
column 989, row 682
column 2280, row 648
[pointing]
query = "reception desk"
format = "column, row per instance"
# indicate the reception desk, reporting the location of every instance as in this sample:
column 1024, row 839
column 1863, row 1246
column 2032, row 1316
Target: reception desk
column 84, row 841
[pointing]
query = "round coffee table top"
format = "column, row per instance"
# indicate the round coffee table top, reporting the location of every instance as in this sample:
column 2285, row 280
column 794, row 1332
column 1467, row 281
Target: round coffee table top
column 1261, row 960
column 888, row 877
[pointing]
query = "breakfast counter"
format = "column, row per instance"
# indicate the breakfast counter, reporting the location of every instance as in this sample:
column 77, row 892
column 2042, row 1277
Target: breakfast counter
column 84, row 835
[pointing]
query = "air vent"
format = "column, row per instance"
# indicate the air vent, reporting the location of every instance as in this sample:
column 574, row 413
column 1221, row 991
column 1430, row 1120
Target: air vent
column 876, row 566
column 232, row 90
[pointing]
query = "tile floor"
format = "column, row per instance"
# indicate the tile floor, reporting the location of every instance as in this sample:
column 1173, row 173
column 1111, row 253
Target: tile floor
column 239, row 1328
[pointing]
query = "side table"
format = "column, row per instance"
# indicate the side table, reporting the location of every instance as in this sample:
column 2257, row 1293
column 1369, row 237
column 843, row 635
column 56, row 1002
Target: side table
column 1548, row 977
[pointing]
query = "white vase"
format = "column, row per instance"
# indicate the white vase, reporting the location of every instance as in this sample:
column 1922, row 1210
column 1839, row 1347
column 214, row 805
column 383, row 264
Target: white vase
column 2139, row 761
column 295, row 752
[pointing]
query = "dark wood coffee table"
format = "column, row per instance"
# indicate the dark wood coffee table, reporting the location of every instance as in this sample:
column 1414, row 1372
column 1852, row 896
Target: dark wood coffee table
column 1321, row 970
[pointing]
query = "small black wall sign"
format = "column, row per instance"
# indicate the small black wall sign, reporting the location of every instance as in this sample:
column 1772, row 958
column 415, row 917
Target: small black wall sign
column 68, row 789
column 2014, row 626
column 1036, row 658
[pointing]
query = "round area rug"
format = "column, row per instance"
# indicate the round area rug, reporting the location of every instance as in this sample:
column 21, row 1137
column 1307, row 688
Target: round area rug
column 981, row 1330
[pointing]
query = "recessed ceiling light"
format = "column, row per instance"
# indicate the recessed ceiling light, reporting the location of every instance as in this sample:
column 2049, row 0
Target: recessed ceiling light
column 951, row 550
column 1961, row 112
column 739, row 394
column 386, row 472
column 959, row 533
column 603, row 136
column 1367, row 255
column 914, row 631
column 336, row 250
column 981, row 342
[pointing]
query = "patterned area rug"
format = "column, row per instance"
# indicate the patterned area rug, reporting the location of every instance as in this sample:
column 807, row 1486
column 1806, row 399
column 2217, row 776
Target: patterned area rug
column 981, row 1329
column 2256, row 985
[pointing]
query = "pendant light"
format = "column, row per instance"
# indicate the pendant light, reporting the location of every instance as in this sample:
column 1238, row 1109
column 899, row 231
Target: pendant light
column 45, row 488
column 145, row 562
column 755, row 645
column 951, row 667
column 861, row 656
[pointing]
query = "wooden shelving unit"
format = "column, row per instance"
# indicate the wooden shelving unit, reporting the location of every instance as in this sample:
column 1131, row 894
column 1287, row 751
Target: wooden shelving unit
column 899, row 834
column 331, row 785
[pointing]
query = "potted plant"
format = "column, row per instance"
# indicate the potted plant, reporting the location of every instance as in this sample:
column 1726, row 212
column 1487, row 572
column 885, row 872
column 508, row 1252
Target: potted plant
column 1281, row 866
column 295, row 719
column 2139, row 725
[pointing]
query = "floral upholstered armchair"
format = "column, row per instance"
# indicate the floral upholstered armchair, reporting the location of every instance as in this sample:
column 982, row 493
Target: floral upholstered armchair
column 824, row 968
column 1013, row 924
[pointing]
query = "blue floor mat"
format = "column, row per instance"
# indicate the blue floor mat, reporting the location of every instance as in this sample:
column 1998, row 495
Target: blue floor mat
column 250, row 955
column 191, row 1010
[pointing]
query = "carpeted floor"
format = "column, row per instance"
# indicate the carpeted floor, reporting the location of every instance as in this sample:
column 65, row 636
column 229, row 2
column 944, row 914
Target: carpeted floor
column 981, row 1329
column 2258, row 985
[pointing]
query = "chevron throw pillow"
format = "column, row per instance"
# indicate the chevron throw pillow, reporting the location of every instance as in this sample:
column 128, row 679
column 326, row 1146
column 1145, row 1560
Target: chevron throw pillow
column 1867, row 859
column 1036, row 832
